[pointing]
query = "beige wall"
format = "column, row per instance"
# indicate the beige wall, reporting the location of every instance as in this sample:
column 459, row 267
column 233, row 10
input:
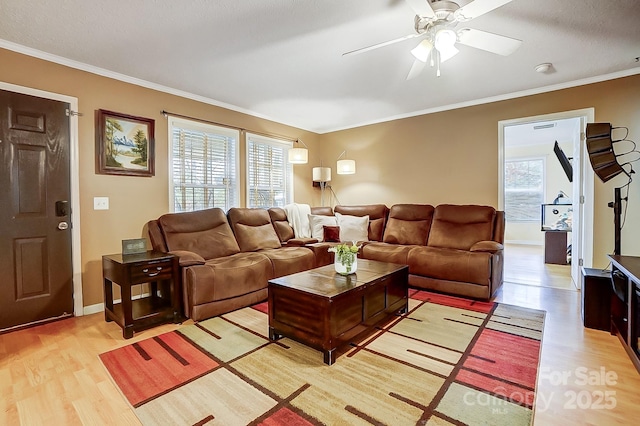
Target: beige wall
column 452, row 156
column 448, row 157
column 133, row 200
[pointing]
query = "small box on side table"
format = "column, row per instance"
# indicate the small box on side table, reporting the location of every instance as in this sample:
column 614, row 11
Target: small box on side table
column 596, row 298
column 160, row 271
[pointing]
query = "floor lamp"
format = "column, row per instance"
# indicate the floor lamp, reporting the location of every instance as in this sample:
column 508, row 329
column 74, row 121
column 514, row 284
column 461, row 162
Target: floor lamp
column 322, row 175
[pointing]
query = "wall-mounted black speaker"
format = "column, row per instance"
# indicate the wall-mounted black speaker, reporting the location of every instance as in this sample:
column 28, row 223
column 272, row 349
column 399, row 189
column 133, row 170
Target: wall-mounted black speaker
column 600, row 149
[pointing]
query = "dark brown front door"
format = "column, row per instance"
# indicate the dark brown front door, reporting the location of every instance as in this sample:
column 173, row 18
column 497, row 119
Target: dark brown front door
column 35, row 228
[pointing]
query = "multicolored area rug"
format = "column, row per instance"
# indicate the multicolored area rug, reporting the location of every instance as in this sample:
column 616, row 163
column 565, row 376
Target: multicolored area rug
column 449, row 361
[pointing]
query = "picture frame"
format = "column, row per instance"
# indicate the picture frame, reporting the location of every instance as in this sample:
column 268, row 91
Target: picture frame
column 125, row 144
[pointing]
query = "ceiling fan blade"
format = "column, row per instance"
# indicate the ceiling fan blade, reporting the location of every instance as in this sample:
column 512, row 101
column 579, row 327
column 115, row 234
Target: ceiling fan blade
column 416, row 69
column 422, row 8
column 490, row 42
column 376, row 46
column 477, row 8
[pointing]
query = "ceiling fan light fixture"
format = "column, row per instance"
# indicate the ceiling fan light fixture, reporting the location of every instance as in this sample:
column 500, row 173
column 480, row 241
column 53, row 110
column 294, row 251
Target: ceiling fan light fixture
column 422, row 50
column 445, row 39
column 448, row 53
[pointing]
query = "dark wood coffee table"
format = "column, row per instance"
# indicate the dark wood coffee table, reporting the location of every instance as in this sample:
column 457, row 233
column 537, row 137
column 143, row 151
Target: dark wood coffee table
column 325, row 310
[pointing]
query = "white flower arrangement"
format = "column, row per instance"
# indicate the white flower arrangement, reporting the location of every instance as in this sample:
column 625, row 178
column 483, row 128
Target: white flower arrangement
column 346, row 254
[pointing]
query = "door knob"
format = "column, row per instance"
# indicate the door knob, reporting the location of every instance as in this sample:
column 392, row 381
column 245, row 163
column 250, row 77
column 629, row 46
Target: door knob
column 63, row 225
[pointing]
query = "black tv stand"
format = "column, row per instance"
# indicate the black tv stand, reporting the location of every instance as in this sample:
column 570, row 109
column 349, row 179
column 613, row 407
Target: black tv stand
column 625, row 304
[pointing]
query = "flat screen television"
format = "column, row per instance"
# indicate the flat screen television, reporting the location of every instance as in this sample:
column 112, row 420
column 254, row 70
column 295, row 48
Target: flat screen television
column 564, row 161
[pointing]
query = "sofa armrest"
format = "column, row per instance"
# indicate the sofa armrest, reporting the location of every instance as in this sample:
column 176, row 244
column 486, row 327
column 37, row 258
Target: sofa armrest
column 487, row 246
column 300, row 242
column 188, row 258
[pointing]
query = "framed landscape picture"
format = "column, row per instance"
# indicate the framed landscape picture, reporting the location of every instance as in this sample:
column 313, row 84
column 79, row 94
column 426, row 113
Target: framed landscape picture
column 124, row 144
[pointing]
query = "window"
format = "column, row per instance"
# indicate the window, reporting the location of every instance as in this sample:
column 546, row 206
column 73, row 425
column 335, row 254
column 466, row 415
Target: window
column 202, row 166
column 269, row 174
column 523, row 189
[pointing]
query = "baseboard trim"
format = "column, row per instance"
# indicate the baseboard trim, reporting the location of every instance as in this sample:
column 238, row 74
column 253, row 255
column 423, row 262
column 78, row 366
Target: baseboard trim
column 99, row 307
column 524, row 242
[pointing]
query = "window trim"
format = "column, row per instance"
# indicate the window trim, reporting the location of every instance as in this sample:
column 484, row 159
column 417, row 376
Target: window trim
column 289, row 175
column 204, row 127
column 544, row 185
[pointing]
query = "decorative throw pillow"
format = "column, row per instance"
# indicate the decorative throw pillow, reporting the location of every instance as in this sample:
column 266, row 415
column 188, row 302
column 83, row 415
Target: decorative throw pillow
column 316, row 224
column 353, row 228
column 331, row 234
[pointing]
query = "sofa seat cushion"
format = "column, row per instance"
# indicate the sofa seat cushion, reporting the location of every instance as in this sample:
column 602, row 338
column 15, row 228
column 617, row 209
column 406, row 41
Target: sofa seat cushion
column 461, row 226
column 204, row 232
column 289, row 260
column 451, row 264
column 227, row 277
column 385, row 252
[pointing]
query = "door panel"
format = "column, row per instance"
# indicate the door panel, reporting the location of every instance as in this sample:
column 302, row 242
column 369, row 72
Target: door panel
column 35, row 256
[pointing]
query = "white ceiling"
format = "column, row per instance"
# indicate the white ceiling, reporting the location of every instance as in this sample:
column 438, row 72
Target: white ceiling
column 282, row 59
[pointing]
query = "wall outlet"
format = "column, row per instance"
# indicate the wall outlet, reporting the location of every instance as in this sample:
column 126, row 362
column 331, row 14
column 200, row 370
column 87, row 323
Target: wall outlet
column 101, row 203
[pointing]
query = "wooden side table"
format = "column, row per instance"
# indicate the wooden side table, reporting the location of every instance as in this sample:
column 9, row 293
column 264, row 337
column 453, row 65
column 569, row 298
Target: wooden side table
column 160, row 271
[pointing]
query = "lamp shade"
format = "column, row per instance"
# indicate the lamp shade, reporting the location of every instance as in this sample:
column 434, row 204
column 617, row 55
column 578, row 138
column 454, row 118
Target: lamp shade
column 298, row 155
column 346, row 167
column 321, row 174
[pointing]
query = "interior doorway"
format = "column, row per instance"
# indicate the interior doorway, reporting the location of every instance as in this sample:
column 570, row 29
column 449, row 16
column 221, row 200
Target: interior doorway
column 531, row 175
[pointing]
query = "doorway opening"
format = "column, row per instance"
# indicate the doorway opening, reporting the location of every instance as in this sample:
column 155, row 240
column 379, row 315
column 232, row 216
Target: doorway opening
column 548, row 207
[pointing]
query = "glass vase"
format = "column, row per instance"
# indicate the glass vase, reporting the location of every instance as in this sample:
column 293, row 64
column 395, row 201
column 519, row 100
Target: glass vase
column 345, row 266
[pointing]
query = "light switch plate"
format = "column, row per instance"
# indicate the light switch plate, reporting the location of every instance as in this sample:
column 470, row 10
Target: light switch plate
column 101, row 203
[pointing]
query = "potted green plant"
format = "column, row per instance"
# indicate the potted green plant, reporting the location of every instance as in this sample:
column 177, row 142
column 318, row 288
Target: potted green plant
column 346, row 258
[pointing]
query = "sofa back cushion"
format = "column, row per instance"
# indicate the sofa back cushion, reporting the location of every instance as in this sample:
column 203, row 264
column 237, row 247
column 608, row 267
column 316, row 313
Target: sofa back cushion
column 323, row 211
column 408, row 224
column 461, row 226
column 253, row 229
column 377, row 217
column 204, row 232
column 281, row 224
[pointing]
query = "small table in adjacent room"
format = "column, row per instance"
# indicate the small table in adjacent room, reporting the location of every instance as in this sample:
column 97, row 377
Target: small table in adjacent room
column 555, row 247
column 325, row 310
column 160, row 271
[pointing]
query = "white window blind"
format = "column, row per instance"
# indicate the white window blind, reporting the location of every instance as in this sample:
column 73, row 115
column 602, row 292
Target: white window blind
column 203, row 166
column 269, row 174
column 524, row 189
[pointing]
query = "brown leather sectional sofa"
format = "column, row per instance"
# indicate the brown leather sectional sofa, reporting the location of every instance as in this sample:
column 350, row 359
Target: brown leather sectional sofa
column 226, row 260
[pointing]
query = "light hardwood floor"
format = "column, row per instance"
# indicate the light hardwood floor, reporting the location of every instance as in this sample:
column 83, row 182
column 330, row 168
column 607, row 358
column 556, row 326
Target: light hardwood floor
column 51, row 374
column 524, row 264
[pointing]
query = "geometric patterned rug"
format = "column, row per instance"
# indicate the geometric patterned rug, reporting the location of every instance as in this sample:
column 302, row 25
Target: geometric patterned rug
column 449, row 361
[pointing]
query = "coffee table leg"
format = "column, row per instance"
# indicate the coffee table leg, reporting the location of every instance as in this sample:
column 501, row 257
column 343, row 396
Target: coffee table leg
column 273, row 335
column 329, row 357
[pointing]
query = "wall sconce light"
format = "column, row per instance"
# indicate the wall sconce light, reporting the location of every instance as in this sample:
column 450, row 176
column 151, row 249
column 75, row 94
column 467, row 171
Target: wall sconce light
column 322, row 175
column 299, row 155
column 345, row 167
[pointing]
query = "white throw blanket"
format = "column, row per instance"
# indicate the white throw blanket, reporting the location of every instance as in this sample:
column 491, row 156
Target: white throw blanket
column 298, row 217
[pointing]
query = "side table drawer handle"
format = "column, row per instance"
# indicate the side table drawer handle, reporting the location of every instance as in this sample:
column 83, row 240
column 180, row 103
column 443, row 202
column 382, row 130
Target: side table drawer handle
column 153, row 274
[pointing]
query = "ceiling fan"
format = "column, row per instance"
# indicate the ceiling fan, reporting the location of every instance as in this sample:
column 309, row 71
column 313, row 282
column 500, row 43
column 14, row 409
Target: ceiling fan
column 436, row 20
